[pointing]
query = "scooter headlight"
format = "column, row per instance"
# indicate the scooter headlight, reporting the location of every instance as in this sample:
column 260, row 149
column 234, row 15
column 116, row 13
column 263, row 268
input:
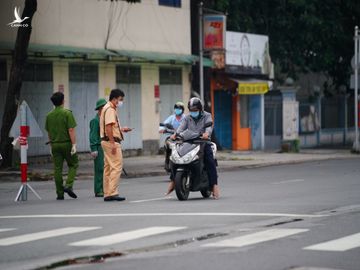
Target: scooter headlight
column 189, row 157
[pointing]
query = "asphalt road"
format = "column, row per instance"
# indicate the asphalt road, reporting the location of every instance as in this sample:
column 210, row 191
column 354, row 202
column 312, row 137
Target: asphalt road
column 304, row 216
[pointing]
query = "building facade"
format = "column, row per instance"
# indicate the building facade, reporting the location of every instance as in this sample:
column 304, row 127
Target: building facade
column 85, row 48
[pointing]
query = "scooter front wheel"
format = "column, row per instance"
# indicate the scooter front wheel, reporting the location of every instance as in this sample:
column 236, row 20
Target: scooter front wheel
column 182, row 185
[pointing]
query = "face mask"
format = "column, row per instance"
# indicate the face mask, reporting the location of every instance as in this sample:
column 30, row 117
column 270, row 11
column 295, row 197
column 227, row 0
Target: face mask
column 194, row 114
column 120, row 104
column 178, row 111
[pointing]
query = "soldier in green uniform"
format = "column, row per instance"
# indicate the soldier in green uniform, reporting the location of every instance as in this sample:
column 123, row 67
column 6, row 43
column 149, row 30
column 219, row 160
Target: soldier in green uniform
column 96, row 150
column 60, row 125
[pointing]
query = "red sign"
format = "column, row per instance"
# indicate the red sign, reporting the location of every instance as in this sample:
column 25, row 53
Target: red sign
column 61, row 88
column 156, row 91
column 214, row 32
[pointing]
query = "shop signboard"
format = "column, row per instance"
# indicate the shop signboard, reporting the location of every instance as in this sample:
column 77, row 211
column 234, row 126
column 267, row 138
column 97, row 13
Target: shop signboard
column 249, row 51
column 214, row 32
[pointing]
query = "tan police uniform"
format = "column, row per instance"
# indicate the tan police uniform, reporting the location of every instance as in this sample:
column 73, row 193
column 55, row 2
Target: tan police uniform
column 112, row 163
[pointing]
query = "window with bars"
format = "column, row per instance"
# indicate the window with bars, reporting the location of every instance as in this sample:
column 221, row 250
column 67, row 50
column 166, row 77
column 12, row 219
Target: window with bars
column 83, row 73
column 170, row 76
column 170, row 3
column 130, row 75
column 41, row 72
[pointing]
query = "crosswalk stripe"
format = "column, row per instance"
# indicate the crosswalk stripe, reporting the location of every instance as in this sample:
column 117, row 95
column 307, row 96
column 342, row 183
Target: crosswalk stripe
column 256, row 238
column 340, row 244
column 125, row 236
column 7, row 230
column 43, row 235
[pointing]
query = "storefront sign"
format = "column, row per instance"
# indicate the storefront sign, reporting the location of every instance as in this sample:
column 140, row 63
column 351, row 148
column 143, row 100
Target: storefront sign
column 214, row 32
column 218, row 57
column 253, row 88
column 248, row 51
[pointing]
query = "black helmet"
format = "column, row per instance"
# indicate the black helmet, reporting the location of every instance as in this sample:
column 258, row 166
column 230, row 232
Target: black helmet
column 179, row 105
column 195, row 104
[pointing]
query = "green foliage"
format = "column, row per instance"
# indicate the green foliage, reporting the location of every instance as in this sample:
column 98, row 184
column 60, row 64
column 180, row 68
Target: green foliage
column 305, row 36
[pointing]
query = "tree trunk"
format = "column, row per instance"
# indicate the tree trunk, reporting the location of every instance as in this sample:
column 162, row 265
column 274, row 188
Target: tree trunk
column 15, row 81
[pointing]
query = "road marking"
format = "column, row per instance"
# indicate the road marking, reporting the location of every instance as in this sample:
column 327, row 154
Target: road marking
column 183, row 214
column 43, row 235
column 288, row 181
column 150, row 200
column 256, row 238
column 340, row 244
column 125, row 236
column 7, row 230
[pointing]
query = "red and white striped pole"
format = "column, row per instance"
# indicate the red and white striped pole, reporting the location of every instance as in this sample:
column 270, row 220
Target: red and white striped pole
column 24, row 133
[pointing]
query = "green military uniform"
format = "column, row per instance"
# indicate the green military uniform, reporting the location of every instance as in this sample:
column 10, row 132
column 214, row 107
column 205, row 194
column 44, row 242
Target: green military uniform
column 95, row 146
column 58, row 122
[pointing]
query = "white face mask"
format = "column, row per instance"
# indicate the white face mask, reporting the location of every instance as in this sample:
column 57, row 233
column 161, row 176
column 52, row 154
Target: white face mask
column 120, row 104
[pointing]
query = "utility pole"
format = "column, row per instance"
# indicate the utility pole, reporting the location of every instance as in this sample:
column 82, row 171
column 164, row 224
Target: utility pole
column 201, row 52
column 356, row 69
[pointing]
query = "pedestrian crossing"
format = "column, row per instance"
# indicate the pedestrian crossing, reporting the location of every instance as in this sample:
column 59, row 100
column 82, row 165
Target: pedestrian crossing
column 342, row 244
column 24, row 238
column 256, row 238
column 125, row 236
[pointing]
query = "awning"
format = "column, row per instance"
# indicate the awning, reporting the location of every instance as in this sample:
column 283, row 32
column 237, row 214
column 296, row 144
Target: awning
column 59, row 50
column 252, row 87
column 46, row 50
column 164, row 57
column 157, row 57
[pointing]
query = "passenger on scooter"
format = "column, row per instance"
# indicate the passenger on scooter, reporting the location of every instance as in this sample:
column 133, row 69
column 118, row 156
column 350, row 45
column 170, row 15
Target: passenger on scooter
column 176, row 118
column 174, row 121
column 197, row 121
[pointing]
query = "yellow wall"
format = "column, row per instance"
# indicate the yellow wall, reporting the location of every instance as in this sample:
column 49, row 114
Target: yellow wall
column 61, row 77
column 107, row 79
column 186, row 85
column 150, row 114
column 144, row 26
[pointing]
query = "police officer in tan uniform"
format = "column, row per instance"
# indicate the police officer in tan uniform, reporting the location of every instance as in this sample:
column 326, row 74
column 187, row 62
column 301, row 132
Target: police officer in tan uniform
column 111, row 134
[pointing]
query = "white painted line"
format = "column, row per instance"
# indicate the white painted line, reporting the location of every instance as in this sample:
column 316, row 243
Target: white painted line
column 183, row 214
column 256, row 238
column 43, row 235
column 150, row 200
column 341, row 244
column 7, row 230
column 288, row 181
column 125, row 236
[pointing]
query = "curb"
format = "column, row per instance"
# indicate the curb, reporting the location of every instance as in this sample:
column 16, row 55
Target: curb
column 38, row 177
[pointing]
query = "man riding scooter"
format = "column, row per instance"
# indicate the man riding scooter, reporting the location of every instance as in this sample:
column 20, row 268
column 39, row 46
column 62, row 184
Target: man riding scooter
column 196, row 121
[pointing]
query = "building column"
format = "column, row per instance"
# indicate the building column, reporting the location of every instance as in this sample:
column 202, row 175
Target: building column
column 150, row 108
column 61, row 80
column 107, row 79
column 262, row 117
column 290, row 114
column 186, row 83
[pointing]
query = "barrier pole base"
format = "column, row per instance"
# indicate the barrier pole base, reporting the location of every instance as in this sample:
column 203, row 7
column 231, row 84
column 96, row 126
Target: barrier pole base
column 22, row 193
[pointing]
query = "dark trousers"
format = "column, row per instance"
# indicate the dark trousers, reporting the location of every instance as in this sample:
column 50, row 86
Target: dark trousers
column 99, row 171
column 210, row 165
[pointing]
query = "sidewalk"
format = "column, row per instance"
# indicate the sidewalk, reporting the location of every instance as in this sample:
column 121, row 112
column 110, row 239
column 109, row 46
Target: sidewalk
column 143, row 166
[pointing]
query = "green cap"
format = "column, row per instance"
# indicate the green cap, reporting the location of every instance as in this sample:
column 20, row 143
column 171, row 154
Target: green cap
column 100, row 103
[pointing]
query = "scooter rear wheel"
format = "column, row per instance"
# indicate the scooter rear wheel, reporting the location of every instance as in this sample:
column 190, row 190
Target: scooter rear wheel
column 182, row 188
